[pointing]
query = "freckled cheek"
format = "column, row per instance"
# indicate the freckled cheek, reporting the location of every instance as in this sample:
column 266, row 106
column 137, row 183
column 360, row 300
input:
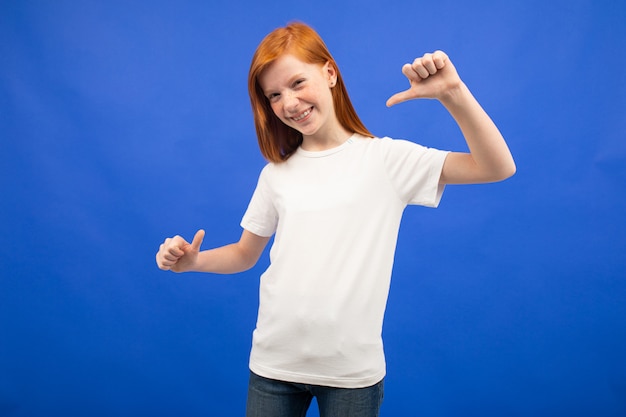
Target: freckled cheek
column 276, row 108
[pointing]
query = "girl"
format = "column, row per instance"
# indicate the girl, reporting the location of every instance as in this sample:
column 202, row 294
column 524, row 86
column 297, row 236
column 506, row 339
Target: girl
column 332, row 195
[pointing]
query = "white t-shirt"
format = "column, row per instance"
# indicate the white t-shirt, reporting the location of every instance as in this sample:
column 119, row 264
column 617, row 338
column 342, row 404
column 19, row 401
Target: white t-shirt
column 336, row 215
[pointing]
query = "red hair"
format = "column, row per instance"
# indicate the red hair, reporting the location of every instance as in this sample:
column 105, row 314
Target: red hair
column 278, row 141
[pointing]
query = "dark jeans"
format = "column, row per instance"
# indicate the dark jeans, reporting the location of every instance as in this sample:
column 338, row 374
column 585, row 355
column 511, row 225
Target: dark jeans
column 272, row 398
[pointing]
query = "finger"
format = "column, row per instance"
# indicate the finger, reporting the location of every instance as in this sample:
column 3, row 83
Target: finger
column 415, row 71
column 419, row 67
column 166, row 264
column 175, row 251
column 409, row 72
column 177, row 243
column 429, row 64
column 172, row 257
column 197, row 240
column 440, row 58
column 161, row 263
column 399, row 98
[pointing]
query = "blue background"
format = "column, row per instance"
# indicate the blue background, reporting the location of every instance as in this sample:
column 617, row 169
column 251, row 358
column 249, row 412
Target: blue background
column 122, row 123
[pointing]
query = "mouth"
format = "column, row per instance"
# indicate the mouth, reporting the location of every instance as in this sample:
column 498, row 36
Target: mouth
column 302, row 115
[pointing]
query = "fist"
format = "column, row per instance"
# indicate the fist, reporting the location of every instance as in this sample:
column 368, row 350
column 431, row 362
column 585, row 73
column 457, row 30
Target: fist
column 177, row 254
column 430, row 76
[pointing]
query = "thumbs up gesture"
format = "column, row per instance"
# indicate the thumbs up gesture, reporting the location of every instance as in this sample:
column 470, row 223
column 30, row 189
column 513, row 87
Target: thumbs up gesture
column 178, row 255
column 431, row 76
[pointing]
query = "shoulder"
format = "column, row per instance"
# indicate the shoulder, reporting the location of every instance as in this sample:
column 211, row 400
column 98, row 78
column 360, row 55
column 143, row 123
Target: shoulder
column 267, row 174
column 403, row 154
column 391, row 148
column 275, row 172
column 386, row 142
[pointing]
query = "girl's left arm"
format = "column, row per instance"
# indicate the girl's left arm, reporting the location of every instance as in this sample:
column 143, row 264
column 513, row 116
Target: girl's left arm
column 489, row 159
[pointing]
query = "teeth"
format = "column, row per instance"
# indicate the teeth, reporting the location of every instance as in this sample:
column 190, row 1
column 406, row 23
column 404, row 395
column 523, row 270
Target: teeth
column 302, row 116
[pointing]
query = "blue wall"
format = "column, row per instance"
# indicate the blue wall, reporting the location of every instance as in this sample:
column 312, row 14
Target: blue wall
column 122, row 123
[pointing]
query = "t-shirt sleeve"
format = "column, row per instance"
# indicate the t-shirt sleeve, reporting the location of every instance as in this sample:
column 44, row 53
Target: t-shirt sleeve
column 261, row 217
column 414, row 171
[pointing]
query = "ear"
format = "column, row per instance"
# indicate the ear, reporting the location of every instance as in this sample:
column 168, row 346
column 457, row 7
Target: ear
column 331, row 73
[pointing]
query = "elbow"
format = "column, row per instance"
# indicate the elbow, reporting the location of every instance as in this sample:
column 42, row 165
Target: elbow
column 512, row 170
column 505, row 172
column 248, row 260
column 248, row 264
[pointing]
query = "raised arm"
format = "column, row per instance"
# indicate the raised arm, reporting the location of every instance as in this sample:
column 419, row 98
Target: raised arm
column 489, row 160
column 178, row 255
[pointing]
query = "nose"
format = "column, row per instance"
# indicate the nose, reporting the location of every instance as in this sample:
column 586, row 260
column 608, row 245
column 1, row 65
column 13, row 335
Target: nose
column 290, row 100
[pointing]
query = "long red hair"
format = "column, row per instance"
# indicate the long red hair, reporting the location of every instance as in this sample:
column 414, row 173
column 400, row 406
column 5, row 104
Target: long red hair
column 278, row 141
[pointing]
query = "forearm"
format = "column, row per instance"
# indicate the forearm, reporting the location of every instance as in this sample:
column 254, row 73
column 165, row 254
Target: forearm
column 491, row 159
column 228, row 259
column 233, row 258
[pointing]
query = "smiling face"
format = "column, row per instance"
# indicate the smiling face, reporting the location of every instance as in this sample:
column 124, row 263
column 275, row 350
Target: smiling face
column 299, row 94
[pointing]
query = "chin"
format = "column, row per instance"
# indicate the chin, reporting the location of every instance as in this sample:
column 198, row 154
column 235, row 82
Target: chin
column 305, row 131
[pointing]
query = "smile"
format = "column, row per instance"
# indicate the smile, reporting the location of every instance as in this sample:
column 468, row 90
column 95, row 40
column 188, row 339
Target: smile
column 302, row 115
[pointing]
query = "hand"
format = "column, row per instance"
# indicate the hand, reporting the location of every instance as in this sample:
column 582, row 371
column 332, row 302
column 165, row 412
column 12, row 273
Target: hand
column 178, row 255
column 431, row 76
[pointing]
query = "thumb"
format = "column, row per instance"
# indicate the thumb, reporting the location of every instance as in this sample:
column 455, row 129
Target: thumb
column 197, row 240
column 399, row 98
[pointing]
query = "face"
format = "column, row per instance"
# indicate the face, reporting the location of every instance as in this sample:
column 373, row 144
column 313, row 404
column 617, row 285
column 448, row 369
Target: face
column 300, row 95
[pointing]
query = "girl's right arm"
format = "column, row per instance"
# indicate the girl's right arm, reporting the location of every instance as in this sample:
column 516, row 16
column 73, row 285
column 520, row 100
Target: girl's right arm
column 178, row 255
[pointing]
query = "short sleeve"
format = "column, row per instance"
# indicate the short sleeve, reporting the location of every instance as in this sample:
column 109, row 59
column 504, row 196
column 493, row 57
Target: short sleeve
column 414, row 170
column 261, row 217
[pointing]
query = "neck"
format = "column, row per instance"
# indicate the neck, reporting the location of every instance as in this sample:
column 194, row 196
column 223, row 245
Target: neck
column 322, row 141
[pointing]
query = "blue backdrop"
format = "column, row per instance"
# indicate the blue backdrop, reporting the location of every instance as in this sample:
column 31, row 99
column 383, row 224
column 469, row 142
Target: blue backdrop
column 122, row 123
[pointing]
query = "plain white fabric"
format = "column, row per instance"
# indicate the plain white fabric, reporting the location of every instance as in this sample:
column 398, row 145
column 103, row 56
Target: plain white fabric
column 335, row 215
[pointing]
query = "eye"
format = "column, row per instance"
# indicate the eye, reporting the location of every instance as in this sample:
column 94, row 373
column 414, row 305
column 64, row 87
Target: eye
column 273, row 96
column 298, row 82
